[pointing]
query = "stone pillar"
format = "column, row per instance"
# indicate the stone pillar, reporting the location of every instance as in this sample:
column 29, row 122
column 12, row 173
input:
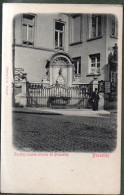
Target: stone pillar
column 69, row 76
column 50, row 75
column 21, row 98
column 23, row 87
column 95, row 84
column 101, row 101
column 23, row 95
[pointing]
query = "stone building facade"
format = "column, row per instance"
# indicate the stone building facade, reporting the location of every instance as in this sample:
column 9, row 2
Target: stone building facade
column 68, row 49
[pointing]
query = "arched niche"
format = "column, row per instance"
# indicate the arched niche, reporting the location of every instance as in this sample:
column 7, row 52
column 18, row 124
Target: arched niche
column 61, row 61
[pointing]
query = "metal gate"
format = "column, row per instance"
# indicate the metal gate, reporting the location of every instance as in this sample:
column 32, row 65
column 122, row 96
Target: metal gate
column 57, row 96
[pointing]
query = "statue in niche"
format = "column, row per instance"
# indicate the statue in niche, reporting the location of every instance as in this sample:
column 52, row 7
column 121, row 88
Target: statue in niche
column 60, row 80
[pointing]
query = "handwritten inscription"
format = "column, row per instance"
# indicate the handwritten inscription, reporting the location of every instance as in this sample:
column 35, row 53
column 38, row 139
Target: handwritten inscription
column 24, row 154
column 101, row 155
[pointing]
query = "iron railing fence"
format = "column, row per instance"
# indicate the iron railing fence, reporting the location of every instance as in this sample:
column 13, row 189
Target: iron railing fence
column 58, row 96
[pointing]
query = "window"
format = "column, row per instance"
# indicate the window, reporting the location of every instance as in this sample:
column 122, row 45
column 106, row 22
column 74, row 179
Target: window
column 95, row 29
column 77, row 65
column 114, row 26
column 75, row 28
column 94, row 67
column 28, row 29
column 59, row 35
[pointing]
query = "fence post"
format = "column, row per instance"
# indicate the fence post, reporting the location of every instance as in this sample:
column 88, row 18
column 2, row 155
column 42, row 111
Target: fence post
column 95, row 84
column 20, row 98
column 23, row 99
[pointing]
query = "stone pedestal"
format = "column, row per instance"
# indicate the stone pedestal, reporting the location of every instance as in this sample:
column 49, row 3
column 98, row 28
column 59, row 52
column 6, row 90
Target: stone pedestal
column 51, row 80
column 70, row 71
column 95, row 84
column 101, row 101
column 21, row 97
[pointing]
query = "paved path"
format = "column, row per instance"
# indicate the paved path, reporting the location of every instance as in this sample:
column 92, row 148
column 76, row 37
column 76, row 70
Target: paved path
column 56, row 132
column 68, row 112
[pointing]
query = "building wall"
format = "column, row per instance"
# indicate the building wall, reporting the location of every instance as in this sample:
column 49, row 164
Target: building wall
column 17, row 25
column 33, row 61
column 44, row 30
column 33, row 58
column 94, row 46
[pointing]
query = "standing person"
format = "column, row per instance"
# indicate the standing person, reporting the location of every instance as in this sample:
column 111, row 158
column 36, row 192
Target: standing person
column 95, row 99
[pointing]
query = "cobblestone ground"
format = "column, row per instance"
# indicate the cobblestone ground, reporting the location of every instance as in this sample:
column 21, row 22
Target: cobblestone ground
column 36, row 132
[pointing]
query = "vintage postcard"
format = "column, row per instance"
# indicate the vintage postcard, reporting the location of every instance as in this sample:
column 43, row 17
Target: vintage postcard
column 61, row 98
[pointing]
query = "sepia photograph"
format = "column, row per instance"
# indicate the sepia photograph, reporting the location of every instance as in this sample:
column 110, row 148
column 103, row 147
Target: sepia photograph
column 65, row 81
